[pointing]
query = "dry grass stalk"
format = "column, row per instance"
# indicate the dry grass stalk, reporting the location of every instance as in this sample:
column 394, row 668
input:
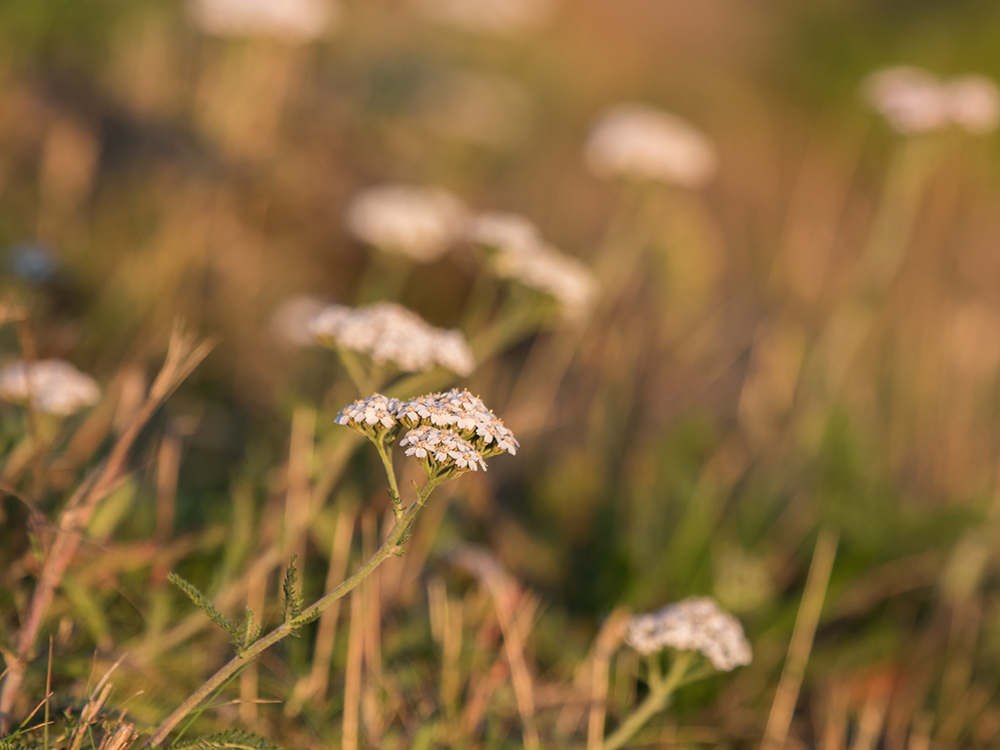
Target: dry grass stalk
column 352, row 673
column 184, row 353
column 800, row 645
column 605, row 645
column 120, row 739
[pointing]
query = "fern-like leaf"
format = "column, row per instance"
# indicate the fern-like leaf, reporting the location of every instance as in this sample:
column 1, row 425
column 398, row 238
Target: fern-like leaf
column 249, row 631
column 202, row 603
column 234, row 739
column 292, row 597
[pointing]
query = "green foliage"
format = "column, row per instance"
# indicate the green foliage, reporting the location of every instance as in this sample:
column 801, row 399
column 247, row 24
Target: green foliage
column 234, row 739
column 242, row 633
column 291, row 596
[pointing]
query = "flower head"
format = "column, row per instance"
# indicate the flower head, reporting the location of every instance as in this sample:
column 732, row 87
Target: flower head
column 372, row 416
column 694, row 624
column 914, row 101
column 638, row 141
column 506, row 232
column 462, row 413
column 419, row 222
column 502, row 17
column 291, row 20
column 563, row 278
column 53, row 386
column 389, row 333
column 442, row 450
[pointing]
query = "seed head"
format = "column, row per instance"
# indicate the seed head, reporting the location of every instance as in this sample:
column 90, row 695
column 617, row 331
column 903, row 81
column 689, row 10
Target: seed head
column 694, row 624
column 419, row 222
column 392, row 334
column 54, row 386
column 639, row 142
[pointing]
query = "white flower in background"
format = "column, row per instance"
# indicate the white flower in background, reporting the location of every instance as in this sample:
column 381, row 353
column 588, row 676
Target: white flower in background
column 54, row 386
column 482, row 109
column 641, row 142
column 388, row 333
column 290, row 20
column 464, row 413
column 419, row 222
column 565, row 279
column 694, row 624
column 505, row 232
column 443, row 448
column 290, row 320
column 914, row 101
column 908, row 98
column 974, row 103
column 503, row 17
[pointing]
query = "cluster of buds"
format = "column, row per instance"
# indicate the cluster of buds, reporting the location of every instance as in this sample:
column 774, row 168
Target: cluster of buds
column 450, row 433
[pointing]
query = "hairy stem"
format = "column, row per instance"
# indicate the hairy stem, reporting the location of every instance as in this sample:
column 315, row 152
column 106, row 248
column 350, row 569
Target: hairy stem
column 389, row 547
column 656, row 701
column 390, row 472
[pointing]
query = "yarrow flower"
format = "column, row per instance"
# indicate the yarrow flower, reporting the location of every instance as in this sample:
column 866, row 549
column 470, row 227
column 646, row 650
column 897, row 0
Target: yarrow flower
column 372, row 416
column 914, row 101
column 291, row 20
column 442, row 449
column 566, row 279
column 389, row 333
column 464, row 413
column 503, row 17
column 419, row 222
column 505, row 232
column 694, row 624
column 53, row 386
column 641, row 142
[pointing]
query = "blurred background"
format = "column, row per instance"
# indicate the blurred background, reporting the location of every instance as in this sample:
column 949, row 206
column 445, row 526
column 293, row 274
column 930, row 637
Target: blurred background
column 809, row 340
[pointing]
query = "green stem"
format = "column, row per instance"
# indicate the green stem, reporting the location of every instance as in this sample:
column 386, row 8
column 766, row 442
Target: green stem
column 390, row 472
column 389, row 547
column 656, row 701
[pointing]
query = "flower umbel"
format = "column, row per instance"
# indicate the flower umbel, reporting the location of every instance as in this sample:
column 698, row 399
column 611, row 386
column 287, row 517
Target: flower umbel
column 419, row 222
column 640, row 142
column 54, row 386
column 390, row 334
column 694, row 624
column 372, row 417
column 441, row 450
column 464, row 414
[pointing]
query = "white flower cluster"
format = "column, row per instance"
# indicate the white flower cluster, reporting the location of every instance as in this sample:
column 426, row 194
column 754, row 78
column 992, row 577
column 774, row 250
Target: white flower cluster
column 375, row 411
column 641, row 142
column 290, row 20
column 694, row 624
column 54, row 386
column 915, row 101
column 506, row 232
column 388, row 333
column 524, row 255
column 464, row 412
column 419, row 222
column 503, row 17
column 444, row 447
column 565, row 279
